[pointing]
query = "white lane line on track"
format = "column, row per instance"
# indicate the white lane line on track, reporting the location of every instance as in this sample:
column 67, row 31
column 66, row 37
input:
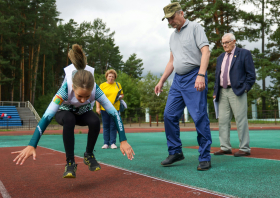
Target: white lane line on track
column 3, row 191
column 159, row 179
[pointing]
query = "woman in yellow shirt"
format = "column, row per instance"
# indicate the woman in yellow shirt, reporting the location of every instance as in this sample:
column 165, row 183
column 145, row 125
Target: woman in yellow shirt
column 110, row 89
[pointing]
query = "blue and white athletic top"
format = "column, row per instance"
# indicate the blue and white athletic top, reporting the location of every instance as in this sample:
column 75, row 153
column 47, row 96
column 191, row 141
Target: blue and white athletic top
column 66, row 100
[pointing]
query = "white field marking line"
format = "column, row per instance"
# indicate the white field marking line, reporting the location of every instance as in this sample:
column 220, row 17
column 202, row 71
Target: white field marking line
column 170, row 182
column 3, row 191
column 163, row 180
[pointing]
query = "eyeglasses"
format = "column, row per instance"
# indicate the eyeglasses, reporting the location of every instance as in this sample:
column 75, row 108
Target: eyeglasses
column 226, row 43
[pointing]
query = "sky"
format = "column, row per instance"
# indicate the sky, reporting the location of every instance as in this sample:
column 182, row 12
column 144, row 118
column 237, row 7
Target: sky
column 138, row 27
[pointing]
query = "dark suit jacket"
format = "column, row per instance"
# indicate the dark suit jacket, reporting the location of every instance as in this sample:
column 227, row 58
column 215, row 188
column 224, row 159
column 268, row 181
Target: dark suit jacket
column 242, row 72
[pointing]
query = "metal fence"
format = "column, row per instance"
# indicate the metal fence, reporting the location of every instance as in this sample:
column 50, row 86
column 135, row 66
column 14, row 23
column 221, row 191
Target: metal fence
column 268, row 117
column 13, row 103
column 25, row 125
column 254, row 117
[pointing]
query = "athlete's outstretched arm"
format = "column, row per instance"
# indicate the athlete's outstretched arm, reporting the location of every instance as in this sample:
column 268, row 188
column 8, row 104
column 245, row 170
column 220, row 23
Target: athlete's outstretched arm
column 110, row 109
column 60, row 96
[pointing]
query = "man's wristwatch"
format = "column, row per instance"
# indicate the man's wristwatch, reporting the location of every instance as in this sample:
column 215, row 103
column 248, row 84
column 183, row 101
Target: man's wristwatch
column 246, row 91
column 201, row 75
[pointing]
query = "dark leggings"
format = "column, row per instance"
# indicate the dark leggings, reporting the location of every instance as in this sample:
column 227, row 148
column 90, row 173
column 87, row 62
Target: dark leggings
column 68, row 120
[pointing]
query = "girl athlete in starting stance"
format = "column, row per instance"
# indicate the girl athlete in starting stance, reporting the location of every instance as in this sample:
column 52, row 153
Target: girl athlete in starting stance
column 72, row 105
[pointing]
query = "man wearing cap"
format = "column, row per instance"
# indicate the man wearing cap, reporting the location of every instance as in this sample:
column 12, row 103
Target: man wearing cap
column 189, row 57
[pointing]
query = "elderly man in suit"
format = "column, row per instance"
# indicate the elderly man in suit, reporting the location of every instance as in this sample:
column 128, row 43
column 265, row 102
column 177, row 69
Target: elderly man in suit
column 235, row 76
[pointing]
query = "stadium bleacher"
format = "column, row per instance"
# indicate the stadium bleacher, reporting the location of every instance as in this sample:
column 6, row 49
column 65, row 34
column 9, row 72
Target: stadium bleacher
column 10, row 111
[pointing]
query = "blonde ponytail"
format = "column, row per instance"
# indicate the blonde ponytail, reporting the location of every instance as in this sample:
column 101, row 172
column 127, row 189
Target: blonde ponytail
column 77, row 57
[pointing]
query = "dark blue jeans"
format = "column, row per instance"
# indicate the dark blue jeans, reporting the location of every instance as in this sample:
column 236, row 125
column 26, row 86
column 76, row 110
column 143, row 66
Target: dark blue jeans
column 182, row 93
column 109, row 128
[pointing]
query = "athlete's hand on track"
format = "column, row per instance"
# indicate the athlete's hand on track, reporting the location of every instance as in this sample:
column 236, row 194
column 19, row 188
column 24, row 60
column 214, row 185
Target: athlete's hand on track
column 158, row 88
column 24, row 154
column 127, row 149
column 199, row 83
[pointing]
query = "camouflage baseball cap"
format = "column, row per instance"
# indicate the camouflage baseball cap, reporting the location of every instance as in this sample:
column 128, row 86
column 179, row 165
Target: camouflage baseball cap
column 170, row 9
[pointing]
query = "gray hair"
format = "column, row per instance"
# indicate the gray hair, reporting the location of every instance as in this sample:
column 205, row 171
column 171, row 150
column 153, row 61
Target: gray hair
column 179, row 11
column 230, row 35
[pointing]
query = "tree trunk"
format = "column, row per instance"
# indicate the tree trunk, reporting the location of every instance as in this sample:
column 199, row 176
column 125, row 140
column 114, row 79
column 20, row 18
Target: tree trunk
column 1, row 49
column 216, row 21
column 28, row 76
column 222, row 20
column 67, row 55
column 22, row 78
column 31, row 73
column 12, row 90
column 263, row 80
column 20, row 83
column 31, row 66
column 35, row 73
column 43, row 80
column 22, row 60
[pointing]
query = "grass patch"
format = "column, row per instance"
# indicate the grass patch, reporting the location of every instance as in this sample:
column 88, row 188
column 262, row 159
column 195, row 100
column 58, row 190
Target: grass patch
column 5, row 130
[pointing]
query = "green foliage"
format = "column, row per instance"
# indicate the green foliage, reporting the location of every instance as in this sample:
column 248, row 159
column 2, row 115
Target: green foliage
column 31, row 30
column 222, row 16
column 99, row 78
column 149, row 99
column 103, row 54
column 130, row 88
column 42, row 103
column 133, row 66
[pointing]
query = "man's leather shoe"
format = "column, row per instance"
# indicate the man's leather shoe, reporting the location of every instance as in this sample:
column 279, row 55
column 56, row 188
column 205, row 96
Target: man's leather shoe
column 222, row 152
column 203, row 166
column 241, row 153
column 173, row 158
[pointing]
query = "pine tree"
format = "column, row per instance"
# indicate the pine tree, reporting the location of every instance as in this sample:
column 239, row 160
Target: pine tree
column 133, row 66
column 264, row 22
column 274, row 47
column 219, row 17
column 102, row 52
column 10, row 55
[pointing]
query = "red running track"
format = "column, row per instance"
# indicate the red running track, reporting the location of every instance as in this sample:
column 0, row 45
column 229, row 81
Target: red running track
column 127, row 130
column 43, row 178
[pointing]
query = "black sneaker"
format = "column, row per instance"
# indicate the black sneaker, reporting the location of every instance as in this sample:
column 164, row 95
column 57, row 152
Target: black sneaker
column 90, row 160
column 203, row 166
column 70, row 170
column 173, row 158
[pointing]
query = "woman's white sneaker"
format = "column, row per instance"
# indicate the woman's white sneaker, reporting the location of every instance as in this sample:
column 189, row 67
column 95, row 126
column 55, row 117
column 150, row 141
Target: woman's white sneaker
column 105, row 146
column 113, row 146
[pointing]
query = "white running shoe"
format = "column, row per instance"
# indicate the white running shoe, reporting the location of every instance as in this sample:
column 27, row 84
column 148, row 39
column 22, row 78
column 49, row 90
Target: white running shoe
column 113, row 146
column 105, row 146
